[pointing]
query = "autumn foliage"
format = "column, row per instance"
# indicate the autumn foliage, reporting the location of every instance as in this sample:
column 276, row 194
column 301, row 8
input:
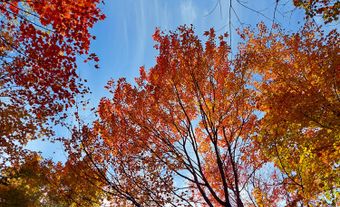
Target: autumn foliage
column 258, row 127
column 329, row 10
column 190, row 117
column 198, row 127
column 298, row 92
column 39, row 182
column 39, row 43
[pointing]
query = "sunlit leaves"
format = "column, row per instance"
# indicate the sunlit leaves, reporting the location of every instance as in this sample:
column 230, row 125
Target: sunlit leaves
column 299, row 94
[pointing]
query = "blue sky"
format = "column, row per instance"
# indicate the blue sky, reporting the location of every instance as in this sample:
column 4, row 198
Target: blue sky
column 124, row 41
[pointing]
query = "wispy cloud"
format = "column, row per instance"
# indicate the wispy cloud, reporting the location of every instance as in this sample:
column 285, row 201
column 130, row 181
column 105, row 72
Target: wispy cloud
column 126, row 37
column 188, row 11
column 140, row 32
column 161, row 14
column 141, row 23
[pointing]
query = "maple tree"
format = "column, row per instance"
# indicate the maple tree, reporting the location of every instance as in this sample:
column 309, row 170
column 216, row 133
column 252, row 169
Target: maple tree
column 188, row 120
column 39, row 42
column 201, row 129
column 298, row 91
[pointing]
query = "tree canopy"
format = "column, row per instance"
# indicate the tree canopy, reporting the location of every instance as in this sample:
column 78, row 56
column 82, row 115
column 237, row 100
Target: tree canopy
column 257, row 130
column 206, row 125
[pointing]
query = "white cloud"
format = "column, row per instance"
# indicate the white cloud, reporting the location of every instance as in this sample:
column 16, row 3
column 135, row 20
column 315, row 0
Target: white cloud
column 188, row 11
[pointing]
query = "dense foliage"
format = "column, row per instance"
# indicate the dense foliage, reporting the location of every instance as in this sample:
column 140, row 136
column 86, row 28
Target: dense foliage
column 259, row 130
column 202, row 127
column 39, row 42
